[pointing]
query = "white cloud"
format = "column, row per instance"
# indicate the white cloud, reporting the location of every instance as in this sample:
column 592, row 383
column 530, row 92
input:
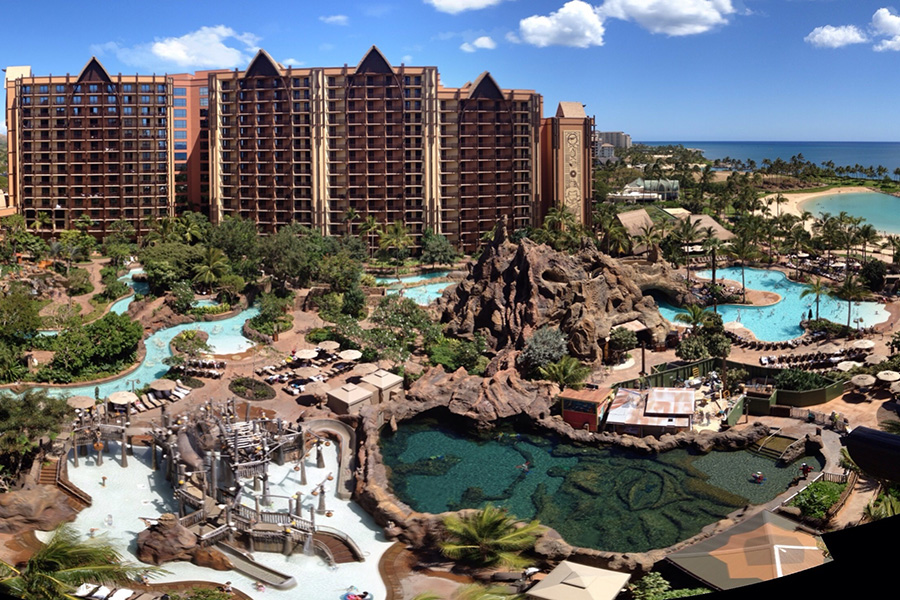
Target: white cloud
column 482, row 43
column 885, row 22
column 575, row 24
column 671, row 17
column 406, row 59
column 512, row 38
column 457, row 6
column 293, row 62
column 208, row 47
column 335, row 20
column 828, row 36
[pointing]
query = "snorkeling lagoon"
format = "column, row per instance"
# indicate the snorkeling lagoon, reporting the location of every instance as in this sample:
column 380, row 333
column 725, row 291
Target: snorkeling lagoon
column 595, row 497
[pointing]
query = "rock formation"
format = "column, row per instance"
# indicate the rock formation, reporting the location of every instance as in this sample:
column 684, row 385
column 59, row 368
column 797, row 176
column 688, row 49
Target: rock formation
column 39, row 507
column 481, row 399
column 169, row 540
column 514, row 289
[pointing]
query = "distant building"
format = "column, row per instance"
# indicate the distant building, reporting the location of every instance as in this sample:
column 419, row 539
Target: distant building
column 664, row 189
column 566, row 161
column 617, row 139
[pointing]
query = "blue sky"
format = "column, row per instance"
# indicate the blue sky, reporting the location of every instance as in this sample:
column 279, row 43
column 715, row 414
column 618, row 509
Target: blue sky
column 657, row 69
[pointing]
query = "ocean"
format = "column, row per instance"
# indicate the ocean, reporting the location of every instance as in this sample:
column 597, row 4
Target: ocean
column 841, row 153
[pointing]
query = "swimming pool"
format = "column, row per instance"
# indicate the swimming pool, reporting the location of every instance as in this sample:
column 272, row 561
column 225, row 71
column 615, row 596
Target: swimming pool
column 603, row 498
column 423, row 294
column 413, row 278
column 781, row 321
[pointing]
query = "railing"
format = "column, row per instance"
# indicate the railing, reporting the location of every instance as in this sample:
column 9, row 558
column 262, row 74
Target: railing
column 208, row 539
column 322, row 547
column 343, row 537
column 63, row 483
column 193, row 518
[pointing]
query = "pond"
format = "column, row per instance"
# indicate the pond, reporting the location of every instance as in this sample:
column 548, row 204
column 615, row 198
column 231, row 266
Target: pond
column 602, row 498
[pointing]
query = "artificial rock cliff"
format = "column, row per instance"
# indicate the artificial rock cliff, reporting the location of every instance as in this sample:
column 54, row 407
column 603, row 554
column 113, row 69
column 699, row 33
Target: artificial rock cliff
column 515, row 289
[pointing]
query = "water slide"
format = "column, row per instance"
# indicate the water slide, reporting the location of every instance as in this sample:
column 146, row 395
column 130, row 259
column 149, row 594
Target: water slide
column 244, row 563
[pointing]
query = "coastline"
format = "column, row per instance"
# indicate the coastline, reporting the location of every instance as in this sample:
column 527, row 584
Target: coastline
column 795, row 201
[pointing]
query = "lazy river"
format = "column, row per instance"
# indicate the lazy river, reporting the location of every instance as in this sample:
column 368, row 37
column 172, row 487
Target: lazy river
column 225, row 337
column 603, row 498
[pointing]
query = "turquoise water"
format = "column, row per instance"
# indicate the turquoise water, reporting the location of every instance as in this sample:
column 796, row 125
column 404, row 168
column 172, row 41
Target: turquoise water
column 225, row 337
column 600, row 498
column 140, row 287
column 879, row 210
column 423, row 294
column 206, row 302
column 413, row 278
column 781, row 321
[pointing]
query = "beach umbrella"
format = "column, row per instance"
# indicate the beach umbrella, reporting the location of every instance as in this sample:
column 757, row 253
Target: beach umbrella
column 329, row 345
column 122, row 398
column 82, row 402
column 163, row 385
column 829, row 348
column 350, row 355
column 888, row 376
column 306, row 372
column 306, row 354
column 875, row 359
column 863, row 380
column 732, row 325
column 895, row 387
column 863, row 344
column 847, row 365
column 363, row 369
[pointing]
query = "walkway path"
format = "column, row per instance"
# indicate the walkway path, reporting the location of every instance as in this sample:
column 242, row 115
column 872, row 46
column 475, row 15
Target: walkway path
column 83, row 301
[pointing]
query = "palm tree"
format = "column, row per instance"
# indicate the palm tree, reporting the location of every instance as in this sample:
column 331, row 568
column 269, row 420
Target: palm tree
column 395, row 239
column 349, row 216
column 366, row 229
column 213, row 265
column 58, row 568
column 41, row 221
column 851, row 291
column 687, row 233
column 696, row 317
column 817, row 289
column 488, row 537
column 742, row 250
column 568, row 372
column 713, row 246
column 559, row 218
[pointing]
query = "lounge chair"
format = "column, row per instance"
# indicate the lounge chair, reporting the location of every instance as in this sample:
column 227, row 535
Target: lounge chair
column 85, row 589
column 121, row 594
column 100, row 593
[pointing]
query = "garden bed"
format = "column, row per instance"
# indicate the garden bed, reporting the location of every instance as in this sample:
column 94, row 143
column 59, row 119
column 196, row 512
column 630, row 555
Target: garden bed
column 251, row 389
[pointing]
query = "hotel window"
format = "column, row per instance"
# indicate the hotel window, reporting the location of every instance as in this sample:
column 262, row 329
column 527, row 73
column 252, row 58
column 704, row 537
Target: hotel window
column 179, row 102
column 161, row 88
column 93, row 99
column 204, row 91
column 93, row 87
column 180, row 112
column 145, row 99
column 145, row 87
column 181, row 156
column 204, row 101
column 127, row 87
column 180, row 124
column 179, row 92
column 180, row 135
column 160, row 99
column 179, row 145
column 59, row 100
column 60, row 89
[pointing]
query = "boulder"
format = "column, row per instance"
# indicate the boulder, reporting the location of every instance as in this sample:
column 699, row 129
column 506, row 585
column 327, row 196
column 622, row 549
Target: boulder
column 166, row 540
column 38, row 507
column 211, row 558
column 514, row 289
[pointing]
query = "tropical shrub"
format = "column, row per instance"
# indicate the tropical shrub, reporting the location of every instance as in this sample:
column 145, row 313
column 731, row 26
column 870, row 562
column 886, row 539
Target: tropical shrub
column 815, row 500
column 546, row 345
column 799, row 380
column 488, row 537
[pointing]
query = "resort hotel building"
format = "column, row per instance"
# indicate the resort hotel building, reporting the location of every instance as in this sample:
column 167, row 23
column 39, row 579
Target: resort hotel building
column 280, row 145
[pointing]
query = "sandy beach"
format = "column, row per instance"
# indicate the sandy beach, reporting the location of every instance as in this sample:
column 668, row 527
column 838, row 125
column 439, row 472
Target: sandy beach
column 795, row 201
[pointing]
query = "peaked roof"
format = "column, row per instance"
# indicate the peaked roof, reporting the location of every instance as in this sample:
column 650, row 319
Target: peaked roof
column 94, row 71
column 763, row 547
column 374, row 62
column 486, row 87
column 634, row 220
column 263, row 65
column 571, row 109
column 574, row 581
